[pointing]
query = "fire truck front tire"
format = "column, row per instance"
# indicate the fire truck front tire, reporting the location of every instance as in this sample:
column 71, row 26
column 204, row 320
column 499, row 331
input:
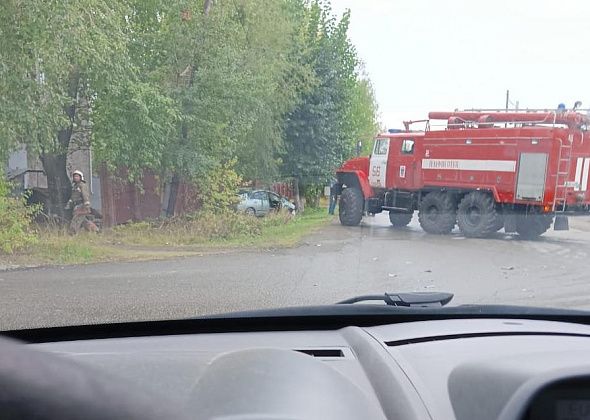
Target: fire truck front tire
column 437, row 213
column 476, row 215
column 533, row 226
column 400, row 220
column 351, row 206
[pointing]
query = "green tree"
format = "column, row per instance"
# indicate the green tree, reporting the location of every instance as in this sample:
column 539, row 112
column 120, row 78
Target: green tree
column 15, row 221
column 228, row 74
column 182, row 87
column 336, row 110
column 362, row 124
column 65, row 72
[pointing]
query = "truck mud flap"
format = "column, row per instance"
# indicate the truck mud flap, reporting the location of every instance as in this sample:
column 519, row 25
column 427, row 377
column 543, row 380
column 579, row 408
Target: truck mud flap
column 510, row 223
column 561, row 222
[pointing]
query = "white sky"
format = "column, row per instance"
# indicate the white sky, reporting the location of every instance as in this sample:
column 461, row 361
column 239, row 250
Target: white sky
column 426, row 55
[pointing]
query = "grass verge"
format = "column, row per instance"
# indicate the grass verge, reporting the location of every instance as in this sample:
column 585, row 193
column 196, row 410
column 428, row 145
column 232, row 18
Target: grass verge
column 169, row 239
column 275, row 234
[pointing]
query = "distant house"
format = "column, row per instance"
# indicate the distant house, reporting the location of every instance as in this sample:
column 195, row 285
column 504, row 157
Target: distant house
column 26, row 171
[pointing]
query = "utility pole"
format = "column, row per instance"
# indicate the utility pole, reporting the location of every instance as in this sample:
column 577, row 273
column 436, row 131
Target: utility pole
column 507, row 99
column 507, row 104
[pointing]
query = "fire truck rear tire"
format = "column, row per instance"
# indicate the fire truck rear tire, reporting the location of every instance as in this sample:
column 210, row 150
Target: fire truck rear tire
column 400, row 219
column 533, row 226
column 476, row 215
column 351, row 206
column 437, row 213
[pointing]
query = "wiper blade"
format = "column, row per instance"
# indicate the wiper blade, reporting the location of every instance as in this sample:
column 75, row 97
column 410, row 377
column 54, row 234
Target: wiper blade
column 412, row 299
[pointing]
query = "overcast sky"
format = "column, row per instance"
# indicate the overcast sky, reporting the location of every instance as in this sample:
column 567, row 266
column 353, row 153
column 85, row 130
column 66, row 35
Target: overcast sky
column 424, row 55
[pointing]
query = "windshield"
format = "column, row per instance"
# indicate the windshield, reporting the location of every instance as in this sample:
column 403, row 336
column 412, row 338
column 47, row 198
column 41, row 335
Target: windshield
column 170, row 159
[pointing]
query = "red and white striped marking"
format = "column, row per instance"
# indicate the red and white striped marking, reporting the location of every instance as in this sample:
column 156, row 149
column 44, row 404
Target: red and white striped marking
column 582, row 170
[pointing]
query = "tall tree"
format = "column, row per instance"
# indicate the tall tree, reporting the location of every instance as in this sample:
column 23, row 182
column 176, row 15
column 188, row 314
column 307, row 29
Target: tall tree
column 227, row 73
column 323, row 130
column 63, row 61
column 190, row 89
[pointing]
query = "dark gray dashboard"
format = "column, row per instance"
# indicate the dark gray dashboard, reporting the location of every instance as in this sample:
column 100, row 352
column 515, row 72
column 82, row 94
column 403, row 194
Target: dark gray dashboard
column 447, row 369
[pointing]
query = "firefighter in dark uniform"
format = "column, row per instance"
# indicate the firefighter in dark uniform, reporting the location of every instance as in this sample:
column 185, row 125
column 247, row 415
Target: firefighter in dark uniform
column 79, row 202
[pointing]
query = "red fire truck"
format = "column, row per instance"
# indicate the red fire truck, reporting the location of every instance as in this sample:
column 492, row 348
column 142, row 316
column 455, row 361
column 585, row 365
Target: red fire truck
column 482, row 170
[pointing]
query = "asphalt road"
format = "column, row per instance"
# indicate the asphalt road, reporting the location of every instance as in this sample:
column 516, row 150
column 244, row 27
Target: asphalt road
column 331, row 265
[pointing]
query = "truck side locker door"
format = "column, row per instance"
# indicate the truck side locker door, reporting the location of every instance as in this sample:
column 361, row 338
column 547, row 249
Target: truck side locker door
column 532, row 173
column 405, row 165
column 378, row 163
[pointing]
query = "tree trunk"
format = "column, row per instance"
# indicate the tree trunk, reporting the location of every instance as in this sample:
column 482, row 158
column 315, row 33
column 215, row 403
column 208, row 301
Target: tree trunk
column 79, row 150
column 174, row 184
column 58, row 183
column 207, row 7
column 54, row 161
column 190, row 72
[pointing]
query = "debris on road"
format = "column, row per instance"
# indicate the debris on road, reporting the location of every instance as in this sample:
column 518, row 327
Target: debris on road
column 510, row 267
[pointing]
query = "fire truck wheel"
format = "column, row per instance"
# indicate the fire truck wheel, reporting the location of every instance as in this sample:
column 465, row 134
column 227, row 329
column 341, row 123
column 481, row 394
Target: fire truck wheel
column 533, row 226
column 351, row 206
column 437, row 213
column 400, row 219
column 476, row 215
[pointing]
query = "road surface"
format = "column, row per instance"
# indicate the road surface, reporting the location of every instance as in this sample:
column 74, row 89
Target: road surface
column 333, row 264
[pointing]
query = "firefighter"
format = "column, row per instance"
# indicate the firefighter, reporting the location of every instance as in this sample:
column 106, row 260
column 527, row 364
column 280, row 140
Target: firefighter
column 79, row 202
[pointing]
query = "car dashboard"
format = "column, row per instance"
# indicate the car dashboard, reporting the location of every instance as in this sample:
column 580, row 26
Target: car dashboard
column 436, row 369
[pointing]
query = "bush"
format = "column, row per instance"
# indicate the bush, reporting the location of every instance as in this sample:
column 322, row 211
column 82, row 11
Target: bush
column 191, row 229
column 313, row 194
column 218, row 190
column 222, row 225
column 15, row 221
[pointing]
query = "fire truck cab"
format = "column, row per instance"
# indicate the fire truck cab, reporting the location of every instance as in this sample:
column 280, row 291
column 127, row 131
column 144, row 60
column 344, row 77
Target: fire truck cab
column 481, row 170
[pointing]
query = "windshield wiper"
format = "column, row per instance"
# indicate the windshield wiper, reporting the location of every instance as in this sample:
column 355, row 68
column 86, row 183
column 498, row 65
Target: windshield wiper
column 412, row 299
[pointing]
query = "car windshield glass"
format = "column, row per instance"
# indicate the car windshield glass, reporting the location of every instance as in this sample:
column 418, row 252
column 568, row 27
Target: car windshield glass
column 154, row 151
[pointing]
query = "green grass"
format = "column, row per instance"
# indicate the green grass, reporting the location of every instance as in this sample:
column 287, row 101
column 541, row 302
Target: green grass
column 228, row 230
column 285, row 235
column 170, row 238
column 58, row 248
